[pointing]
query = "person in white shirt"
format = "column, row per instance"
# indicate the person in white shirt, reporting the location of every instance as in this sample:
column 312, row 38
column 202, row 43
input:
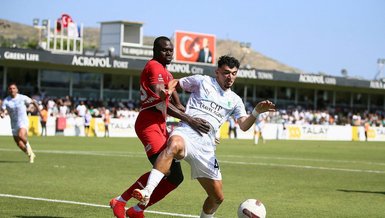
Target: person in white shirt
column 205, row 55
column 211, row 100
column 81, row 109
column 15, row 105
column 258, row 130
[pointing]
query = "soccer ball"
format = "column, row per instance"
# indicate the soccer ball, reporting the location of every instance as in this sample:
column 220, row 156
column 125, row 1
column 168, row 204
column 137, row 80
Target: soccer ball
column 251, row 208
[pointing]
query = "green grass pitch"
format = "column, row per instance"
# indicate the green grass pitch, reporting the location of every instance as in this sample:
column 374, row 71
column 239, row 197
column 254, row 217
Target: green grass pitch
column 77, row 176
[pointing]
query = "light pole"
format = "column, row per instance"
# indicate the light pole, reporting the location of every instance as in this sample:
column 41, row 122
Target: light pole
column 380, row 64
column 43, row 26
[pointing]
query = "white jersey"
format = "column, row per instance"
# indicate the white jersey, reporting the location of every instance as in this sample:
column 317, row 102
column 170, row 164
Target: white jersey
column 260, row 121
column 17, row 110
column 210, row 102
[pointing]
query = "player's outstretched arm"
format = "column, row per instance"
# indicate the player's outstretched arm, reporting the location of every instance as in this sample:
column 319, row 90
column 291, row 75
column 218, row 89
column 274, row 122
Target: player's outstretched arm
column 198, row 124
column 247, row 121
column 36, row 105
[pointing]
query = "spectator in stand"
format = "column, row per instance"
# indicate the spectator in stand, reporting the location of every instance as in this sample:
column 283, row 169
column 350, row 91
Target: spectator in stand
column 43, row 120
column 106, row 120
column 81, row 109
column 68, row 102
column 87, row 122
column 51, row 107
column 63, row 109
column 382, row 122
column 366, row 127
column 232, row 127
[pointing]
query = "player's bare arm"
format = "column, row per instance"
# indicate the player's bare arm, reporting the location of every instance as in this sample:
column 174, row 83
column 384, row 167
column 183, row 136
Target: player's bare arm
column 36, row 105
column 175, row 97
column 176, row 101
column 264, row 106
column 200, row 125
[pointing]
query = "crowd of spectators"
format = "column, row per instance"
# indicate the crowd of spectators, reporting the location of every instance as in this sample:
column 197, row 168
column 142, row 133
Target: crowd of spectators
column 326, row 117
column 68, row 106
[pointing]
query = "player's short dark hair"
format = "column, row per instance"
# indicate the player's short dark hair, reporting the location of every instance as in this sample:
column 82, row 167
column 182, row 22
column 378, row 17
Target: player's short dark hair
column 228, row 61
column 158, row 40
column 12, row 84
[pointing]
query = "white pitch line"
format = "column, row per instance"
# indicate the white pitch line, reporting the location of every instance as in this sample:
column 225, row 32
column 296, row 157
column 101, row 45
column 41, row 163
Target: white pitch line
column 306, row 159
column 90, row 204
column 95, row 153
column 140, row 154
column 137, row 154
column 305, row 167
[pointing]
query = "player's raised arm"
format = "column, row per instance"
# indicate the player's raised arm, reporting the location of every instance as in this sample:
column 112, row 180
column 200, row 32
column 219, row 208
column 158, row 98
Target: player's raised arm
column 264, row 106
column 36, row 105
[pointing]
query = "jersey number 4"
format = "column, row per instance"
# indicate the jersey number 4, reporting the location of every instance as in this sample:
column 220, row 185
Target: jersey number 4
column 216, row 164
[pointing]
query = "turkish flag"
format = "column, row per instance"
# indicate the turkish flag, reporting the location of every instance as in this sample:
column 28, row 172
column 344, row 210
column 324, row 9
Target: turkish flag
column 195, row 47
column 65, row 20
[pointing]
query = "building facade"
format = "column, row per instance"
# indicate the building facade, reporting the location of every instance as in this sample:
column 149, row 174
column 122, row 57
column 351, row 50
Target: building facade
column 114, row 75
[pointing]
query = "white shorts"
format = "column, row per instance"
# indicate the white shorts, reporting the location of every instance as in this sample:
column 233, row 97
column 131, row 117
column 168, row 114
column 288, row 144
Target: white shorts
column 16, row 127
column 199, row 153
column 259, row 127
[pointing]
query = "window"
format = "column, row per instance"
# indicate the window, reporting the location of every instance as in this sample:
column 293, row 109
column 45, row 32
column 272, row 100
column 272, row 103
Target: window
column 343, row 101
column 116, row 87
column 86, row 85
column 55, row 83
column 285, row 97
column 25, row 79
column 306, row 98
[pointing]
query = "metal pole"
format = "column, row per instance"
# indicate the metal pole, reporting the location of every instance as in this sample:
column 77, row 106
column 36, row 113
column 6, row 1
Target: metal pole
column 5, row 69
column 245, row 94
column 315, row 99
column 101, row 86
column 130, row 88
column 71, row 84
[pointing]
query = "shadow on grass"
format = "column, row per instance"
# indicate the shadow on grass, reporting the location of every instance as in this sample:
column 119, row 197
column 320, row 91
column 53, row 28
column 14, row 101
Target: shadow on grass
column 13, row 161
column 39, row 216
column 360, row 191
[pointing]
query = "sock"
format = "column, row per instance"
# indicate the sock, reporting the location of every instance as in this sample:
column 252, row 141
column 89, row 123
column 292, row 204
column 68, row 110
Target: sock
column 139, row 184
column 28, row 148
column 160, row 192
column 256, row 137
column 121, row 199
column 203, row 215
column 137, row 208
column 153, row 180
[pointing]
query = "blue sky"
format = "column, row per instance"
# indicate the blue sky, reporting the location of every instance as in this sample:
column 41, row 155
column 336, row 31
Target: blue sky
column 314, row 36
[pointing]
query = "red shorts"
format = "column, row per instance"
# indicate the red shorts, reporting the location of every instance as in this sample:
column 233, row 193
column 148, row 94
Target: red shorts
column 150, row 127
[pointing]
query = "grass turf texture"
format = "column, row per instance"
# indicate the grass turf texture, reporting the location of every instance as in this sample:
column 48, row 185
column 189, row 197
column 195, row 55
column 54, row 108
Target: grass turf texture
column 292, row 178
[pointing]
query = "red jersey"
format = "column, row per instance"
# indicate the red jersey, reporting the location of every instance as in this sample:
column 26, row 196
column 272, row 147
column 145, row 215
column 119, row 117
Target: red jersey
column 150, row 125
column 152, row 74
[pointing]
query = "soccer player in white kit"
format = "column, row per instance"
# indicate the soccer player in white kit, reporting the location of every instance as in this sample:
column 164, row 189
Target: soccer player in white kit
column 212, row 100
column 16, row 106
column 259, row 125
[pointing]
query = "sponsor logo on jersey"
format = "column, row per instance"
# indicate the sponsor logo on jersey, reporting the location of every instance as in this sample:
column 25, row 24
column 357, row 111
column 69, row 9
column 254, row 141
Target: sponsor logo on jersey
column 160, row 78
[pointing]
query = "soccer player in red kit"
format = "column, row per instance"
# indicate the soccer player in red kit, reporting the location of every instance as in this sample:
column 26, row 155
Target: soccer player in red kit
column 156, row 103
